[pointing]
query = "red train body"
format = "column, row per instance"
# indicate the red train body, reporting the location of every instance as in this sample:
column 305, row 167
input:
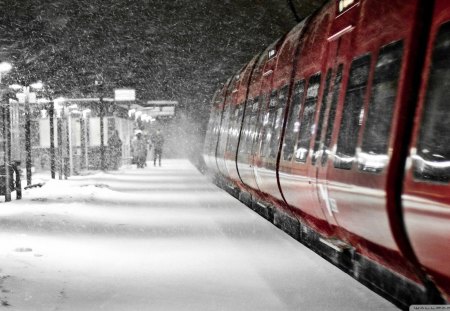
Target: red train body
column 339, row 133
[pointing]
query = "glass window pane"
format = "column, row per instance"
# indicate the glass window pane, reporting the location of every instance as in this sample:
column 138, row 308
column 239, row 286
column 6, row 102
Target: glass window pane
column 223, row 133
column 374, row 148
column 432, row 161
column 332, row 114
column 307, row 121
column 269, row 124
column 318, row 143
column 231, row 128
column 278, row 124
column 236, row 128
column 352, row 113
column 293, row 123
column 245, row 134
column 259, row 123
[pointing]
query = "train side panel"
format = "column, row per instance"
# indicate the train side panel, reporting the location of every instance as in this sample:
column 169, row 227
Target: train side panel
column 249, row 140
column 239, row 102
column 296, row 185
column 210, row 146
column 426, row 199
column 274, row 115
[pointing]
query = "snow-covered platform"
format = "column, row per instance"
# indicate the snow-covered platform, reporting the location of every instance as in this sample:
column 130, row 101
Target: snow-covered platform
column 159, row 238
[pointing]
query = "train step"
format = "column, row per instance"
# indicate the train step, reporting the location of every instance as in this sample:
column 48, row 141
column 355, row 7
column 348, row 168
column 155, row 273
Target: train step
column 336, row 244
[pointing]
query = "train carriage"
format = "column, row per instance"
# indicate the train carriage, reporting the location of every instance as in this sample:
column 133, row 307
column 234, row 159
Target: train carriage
column 343, row 130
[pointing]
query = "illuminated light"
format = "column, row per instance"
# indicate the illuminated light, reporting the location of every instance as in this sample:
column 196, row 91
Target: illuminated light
column 21, row 97
column 85, row 113
column 38, row 85
column 58, row 112
column 124, row 95
column 344, row 4
column 15, row 87
column 59, row 100
column 5, row 67
column 272, row 53
column 43, row 114
column 43, row 101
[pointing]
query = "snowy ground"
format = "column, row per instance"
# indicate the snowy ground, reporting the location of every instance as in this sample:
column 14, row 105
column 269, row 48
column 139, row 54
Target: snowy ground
column 159, row 238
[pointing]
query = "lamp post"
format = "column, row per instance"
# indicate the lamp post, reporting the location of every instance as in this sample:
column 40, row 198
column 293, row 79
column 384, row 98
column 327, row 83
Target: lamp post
column 51, row 116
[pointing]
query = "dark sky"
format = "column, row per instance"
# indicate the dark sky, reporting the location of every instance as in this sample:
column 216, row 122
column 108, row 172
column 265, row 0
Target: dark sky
column 178, row 50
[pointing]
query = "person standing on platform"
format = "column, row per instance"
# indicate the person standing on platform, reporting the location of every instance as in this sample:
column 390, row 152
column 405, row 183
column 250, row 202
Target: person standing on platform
column 158, row 142
column 115, row 151
column 139, row 147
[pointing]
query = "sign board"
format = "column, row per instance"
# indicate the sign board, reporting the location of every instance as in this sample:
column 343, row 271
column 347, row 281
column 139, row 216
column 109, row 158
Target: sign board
column 160, row 111
column 124, row 95
column 160, row 108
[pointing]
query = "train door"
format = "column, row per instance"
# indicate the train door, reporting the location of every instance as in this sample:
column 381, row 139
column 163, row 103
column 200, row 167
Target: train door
column 228, row 110
column 269, row 100
column 207, row 146
column 426, row 202
column 339, row 46
column 363, row 141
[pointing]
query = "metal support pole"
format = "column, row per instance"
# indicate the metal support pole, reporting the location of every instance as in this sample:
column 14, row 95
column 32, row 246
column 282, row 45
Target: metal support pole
column 82, row 144
column 86, row 141
column 60, row 148
column 51, row 113
column 8, row 132
column 28, row 135
column 18, row 181
column 102, row 136
column 6, row 152
column 8, row 145
column 66, row 145
column 69, row 142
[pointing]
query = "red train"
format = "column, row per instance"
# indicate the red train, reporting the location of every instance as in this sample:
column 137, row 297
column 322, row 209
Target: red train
column 339, row 133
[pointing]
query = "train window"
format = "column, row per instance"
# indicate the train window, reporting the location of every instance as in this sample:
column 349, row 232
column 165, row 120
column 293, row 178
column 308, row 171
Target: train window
column 332, row 115
column 223, row 133
column 318, row 142
column 209, row 134
column 373, row 156
column 259, row 124
column 269, row 124
column 278, row 124
column 352, row 112
column 215, row 133
column 243, row 145
column 253, row 125
column 431, row 163
column 307, row 121
column 236, row 127
column 231, row 128
column 293, row 123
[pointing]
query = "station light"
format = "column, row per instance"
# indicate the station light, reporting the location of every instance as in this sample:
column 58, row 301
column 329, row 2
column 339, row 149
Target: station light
column 37, row 85
column 59, row 100
column 85, row 113
column 43, row 114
